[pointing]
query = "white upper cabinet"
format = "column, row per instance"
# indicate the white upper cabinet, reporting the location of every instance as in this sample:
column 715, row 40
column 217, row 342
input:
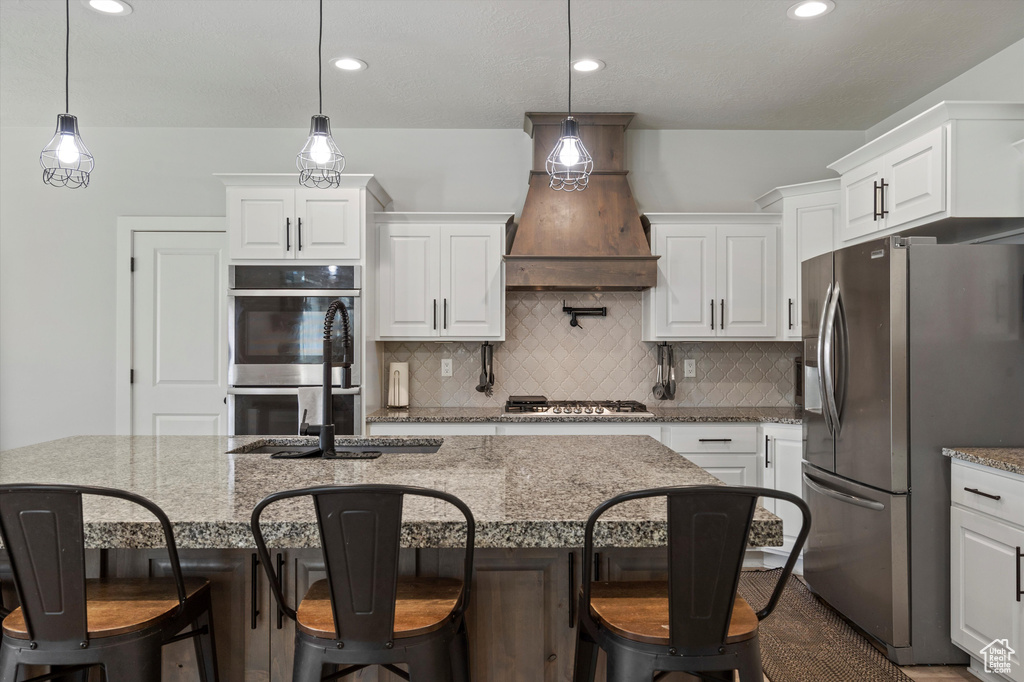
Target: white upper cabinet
column 956, row 160
column 717, row 277
column 440, row 276
column 810, row 219
column 270, row 217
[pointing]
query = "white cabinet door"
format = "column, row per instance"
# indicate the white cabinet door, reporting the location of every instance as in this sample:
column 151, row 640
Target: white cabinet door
column 747, row 280
column 983, row 573
column 860, row 199
column 730, row 469
column 327, row 224
column 808, row 230
column 260, row 222
column 408, row 280
column 916, row 175
column 684, row 297
column 783, row 455
column 472, row 291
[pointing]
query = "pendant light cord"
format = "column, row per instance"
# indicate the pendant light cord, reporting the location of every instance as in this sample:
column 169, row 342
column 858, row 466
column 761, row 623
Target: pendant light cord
column 67, row 51
column 568, row 21
column 319, row 59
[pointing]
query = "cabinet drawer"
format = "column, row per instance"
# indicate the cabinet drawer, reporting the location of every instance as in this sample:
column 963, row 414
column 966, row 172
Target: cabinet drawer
column 1009, row 489
column 710, row 439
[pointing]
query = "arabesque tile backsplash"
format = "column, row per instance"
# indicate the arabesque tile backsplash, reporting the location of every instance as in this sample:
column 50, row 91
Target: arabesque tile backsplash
column 602, row 359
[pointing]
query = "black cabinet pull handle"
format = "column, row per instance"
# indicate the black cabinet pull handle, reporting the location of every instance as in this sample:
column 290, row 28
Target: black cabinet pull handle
column 254, row 593
column 790, row 313
column 300, row 233
column 573, row 595
column 446, row 313
column 721, row 325
column 280, row 579
column 712, row 314
column 435, row 313
column 714, row 440
column 978, row 492
column 874, row 202
column 766, row 460
column 882, row 213
column 287, row 234
column 1019, row 557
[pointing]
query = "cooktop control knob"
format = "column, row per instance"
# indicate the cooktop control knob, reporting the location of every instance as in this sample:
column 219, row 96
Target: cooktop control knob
column 557, row 410
column 578, row 410
column 588, row 410
column 599, row 410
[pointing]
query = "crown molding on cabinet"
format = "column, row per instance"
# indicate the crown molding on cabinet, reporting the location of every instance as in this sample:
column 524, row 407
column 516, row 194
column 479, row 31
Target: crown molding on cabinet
column 348, row 181
column 802, row 189
column 441, row 218
column 713, row 218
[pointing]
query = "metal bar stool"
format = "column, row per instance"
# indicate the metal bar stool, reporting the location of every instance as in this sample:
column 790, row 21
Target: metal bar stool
column 694, row 621
column 73, row 624
column 364, row 613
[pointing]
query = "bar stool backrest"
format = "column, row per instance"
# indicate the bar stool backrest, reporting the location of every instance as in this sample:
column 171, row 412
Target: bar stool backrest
column 708, row 527
column 360, row 534
column 43, row 531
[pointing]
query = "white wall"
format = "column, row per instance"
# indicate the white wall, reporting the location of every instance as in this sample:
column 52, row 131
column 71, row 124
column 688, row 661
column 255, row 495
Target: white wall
column 57, row 246
column 1000, row 78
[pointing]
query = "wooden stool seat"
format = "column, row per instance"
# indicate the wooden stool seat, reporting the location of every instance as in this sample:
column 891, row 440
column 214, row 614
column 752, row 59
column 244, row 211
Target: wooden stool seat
column 639, row 611
column 422, row 605
column 119, row 606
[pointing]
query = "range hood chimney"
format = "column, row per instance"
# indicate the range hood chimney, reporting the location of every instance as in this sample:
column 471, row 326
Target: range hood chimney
column 580, row 241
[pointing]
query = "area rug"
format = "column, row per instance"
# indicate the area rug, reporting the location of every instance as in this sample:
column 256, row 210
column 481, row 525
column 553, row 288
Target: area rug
column 803, row 640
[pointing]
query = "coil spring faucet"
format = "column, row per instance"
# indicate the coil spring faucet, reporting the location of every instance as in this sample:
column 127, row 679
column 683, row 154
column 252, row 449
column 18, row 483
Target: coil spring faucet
column 326, row 429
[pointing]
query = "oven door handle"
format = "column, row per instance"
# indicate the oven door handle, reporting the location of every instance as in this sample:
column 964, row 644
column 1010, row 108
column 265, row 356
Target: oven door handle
column 295, row 293
column 285, row 390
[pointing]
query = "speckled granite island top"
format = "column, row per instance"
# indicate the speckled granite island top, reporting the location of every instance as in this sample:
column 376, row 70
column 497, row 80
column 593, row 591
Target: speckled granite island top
column 1007, row 459
column 441, row 415
column 525, row 491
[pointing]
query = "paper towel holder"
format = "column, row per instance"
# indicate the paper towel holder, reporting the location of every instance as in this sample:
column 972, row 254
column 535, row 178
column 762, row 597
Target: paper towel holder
column 398, row 385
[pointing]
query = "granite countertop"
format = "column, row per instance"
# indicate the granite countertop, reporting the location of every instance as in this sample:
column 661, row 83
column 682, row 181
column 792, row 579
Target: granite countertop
column 1007, row 459
column 770, row 415
column 524, row 491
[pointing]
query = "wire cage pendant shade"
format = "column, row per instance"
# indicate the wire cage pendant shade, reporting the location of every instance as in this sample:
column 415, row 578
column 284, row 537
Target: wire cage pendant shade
column 320, row 162
column 569, row 164
column 65, row 159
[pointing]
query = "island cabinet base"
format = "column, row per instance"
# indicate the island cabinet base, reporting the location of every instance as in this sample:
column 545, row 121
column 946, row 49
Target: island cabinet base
column 519, row 619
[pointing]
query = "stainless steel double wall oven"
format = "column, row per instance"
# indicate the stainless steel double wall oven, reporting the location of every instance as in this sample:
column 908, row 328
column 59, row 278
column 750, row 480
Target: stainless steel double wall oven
column 275, row 334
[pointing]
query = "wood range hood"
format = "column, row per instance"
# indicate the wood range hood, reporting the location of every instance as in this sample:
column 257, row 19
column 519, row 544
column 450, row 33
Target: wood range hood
column 580, row 241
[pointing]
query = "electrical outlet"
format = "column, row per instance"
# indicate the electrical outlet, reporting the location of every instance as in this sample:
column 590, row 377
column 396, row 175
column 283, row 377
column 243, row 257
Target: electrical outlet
column 446, row 367
column 689, row 369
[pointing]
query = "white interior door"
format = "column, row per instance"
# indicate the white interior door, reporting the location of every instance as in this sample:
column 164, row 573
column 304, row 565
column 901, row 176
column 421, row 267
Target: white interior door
column 471, row 287
column 179, row 333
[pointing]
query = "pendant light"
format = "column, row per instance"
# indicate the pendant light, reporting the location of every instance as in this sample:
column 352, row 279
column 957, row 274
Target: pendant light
column 65, row 159
column 569, row 164
column 320, row 162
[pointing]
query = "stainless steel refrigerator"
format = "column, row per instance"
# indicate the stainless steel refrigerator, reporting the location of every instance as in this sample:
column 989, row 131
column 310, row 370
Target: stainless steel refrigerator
column 909, row 346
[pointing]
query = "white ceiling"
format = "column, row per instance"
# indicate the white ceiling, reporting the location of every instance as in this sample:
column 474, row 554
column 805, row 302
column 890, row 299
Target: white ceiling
column 718, row 64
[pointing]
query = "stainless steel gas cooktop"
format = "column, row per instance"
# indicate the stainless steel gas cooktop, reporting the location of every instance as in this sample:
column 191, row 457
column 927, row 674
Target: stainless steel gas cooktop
column 542, row 407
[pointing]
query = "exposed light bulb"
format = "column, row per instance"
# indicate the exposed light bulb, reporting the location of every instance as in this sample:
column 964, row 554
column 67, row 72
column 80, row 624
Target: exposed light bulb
column 569, row 155
column 320, row 152
column 67, row 150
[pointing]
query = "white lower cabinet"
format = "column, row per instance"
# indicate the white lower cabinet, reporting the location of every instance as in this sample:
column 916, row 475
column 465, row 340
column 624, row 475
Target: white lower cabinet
column 780, row 467
column 729, row 452
column 987, row 537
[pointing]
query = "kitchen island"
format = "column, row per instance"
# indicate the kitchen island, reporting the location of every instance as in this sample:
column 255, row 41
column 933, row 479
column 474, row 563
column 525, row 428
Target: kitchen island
column 530, row 495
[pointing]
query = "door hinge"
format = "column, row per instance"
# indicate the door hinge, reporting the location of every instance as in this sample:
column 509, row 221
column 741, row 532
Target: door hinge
column 133, row 264
column 131, row 376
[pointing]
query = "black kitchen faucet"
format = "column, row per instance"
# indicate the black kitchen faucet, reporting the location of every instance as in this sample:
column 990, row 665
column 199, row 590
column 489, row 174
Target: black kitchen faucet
column 326, row 429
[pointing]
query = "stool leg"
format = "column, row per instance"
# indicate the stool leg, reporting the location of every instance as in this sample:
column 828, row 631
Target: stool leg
column 130, row 665
column 585, row 666
column 628, row 666
column 8, row 666
column 750, row 662
column 459, row 651
column 206, row 650
column 308, row 665
column 430, row 662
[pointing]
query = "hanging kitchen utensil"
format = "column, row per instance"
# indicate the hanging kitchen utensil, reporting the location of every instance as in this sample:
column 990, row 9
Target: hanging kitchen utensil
column 659, row 386
column 670, row 393
column 482, row 386
column 490, row 370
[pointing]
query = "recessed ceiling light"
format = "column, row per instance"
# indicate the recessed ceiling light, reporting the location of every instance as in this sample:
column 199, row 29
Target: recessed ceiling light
column 115, row 7
column 588, row 65
column 810, row 9
column 350, row 64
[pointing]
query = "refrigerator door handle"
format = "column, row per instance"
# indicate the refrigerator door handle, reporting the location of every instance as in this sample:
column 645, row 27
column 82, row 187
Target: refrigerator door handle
column 821, row 360
column 826, row 350
column 842, row 375
column 819, row 486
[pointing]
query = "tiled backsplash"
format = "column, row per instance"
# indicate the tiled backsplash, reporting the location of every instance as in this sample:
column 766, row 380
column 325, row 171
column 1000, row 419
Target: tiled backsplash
column 602, row 359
